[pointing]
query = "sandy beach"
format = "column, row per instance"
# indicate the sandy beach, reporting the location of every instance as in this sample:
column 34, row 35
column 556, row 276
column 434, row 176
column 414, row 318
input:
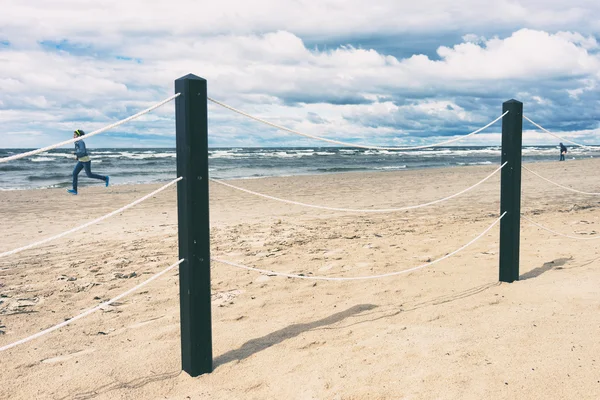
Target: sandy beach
column 448, row 331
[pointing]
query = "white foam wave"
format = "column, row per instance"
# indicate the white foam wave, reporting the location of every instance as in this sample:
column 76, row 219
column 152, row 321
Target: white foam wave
column 392, row 167
column 477, row 163
column 140, row 156
column 42, row 159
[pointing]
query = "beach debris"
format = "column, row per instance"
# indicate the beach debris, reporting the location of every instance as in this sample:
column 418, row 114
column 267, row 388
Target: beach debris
column 222, row 298
column 123, row 262
column 120, row 275
column 577, row 207
column 586, row 233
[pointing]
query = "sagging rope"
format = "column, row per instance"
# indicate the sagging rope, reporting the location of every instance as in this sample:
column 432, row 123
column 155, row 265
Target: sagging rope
column 325, row 278
column 388, row 210
column 90, row 311
column 60, row 235
column 96, row 132
column 558, row 233
column 353, row 144
column 558, row 137
column 559, row 185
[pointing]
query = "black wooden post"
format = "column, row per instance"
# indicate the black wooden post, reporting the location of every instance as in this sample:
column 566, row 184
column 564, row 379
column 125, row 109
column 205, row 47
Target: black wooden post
column 510, row 190
column 191, row 118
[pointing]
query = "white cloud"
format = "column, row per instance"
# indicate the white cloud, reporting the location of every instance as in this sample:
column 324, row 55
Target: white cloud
column 118, row 57
column 114, row 18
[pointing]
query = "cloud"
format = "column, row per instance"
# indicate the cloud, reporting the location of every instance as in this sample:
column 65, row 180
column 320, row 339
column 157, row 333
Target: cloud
column 88, row 64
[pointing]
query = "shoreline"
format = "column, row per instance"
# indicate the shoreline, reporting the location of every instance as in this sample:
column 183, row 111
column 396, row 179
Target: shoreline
column 86, row 183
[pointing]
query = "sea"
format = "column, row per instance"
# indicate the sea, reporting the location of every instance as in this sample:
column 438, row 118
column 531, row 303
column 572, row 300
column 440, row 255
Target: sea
column 53, row 169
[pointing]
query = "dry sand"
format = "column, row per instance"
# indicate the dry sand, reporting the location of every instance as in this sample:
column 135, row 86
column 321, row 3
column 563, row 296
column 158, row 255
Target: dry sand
column 449, row 331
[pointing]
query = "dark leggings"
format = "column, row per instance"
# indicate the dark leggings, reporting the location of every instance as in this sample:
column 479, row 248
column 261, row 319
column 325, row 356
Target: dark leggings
column 88, row 171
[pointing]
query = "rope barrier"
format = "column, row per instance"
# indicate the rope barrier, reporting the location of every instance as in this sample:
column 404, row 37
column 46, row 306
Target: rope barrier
column 90, row 311
column 358, row 210
column 96, row 132
column 558, row 184
column 556, row 136
column 138, row 201
column 558, row 233
column 352, row 144
column 324, row 278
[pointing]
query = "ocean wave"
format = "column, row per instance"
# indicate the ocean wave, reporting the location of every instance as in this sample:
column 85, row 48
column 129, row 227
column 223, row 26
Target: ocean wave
column 43, row 159
column 340, row 169
column 224, row 155
column 12, row 168
column 136, row 156
column 48, row 177
column 476, row 163
column 391, row 167
column 64, row 155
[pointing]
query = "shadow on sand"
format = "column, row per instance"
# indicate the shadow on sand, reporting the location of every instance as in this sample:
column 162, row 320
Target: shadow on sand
column 255, row 345
column 554, row 264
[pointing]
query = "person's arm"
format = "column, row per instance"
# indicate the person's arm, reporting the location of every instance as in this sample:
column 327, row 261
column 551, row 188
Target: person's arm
column 79, row 149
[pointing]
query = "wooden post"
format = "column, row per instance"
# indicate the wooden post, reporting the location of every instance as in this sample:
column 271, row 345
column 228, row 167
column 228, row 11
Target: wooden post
column 194, row 230
column 510, row 190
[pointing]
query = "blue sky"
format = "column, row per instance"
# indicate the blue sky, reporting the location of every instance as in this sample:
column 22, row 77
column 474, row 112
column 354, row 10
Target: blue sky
column 383, row 73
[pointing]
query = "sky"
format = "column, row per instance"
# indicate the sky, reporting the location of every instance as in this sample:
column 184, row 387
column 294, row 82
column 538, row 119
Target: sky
column 385, row 73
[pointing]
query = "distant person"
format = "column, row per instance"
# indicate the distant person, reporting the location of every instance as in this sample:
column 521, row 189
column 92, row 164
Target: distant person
column 83, row 161
column 563, row 152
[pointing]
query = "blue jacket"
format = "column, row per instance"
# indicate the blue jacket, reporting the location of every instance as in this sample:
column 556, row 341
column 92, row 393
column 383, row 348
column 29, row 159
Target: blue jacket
column 80, row 150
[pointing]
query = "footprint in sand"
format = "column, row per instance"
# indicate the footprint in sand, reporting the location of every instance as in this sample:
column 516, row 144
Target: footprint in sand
column 66, row 357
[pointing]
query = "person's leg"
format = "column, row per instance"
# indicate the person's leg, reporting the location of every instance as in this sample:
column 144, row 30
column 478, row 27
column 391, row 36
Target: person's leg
column 88, row 171
column 76, row 171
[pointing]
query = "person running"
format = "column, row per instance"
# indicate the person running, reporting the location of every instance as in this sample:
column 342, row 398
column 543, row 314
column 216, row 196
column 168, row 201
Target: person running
column 563, row 152
column 83, row 161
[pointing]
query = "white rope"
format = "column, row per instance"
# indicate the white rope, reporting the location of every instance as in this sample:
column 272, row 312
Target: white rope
column 558, row 184
column 138, row 201
column 90, row 311
column 560, row 234
column 556, row 136
column 353, row 144
column 387, row 210
column 87, row 135
column 323, row 278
